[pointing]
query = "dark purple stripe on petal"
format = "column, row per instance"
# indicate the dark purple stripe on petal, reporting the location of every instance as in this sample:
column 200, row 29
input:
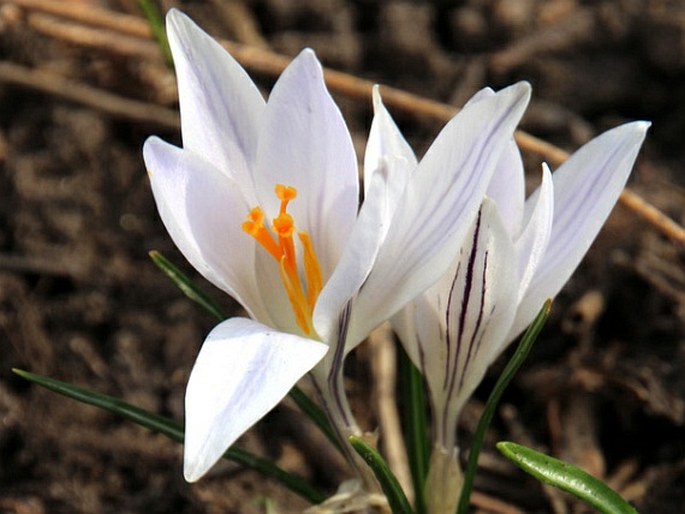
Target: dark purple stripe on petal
column 338, row 360
column 465, row 300
column 476, row 330
column 448, row 311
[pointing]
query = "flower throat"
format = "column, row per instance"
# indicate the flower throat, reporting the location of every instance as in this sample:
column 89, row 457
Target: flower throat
column 302, row 294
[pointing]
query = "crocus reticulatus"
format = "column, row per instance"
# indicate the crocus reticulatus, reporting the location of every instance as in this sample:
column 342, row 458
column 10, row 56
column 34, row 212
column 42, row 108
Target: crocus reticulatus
column 518, row 253
column 263, row 200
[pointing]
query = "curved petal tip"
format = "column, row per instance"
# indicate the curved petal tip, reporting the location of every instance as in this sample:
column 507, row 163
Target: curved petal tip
column 243, row 370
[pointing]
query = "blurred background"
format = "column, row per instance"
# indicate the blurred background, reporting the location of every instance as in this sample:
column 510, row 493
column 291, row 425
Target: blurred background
column 82, row 84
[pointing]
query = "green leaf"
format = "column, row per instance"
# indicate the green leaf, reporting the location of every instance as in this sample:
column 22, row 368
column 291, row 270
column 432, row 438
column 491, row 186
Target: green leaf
column 502, row 382
column 397, row 500
column 315, row 413
column 418, row 448
column 172, row 430
column 566, row 477
column 186, row 286
column 154, row 18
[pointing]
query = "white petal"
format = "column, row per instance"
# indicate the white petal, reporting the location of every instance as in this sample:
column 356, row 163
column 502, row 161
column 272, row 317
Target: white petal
column 243, row 370
column 386, row 141
column 586, row 187
column 460, row 323
column 531, row 246
column 220, row 106
column 304, row 143
column 387, row 152
column 420, row 327
column 203, row 211
column 484, row 93
column 438, row 206
column 508, row 189
column 480, row 307
column 273, row 293
column 356, row 261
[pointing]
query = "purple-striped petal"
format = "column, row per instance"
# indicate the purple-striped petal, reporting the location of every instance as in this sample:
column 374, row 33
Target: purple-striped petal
column 438, row 206
column 473, row 306
column 586, row 188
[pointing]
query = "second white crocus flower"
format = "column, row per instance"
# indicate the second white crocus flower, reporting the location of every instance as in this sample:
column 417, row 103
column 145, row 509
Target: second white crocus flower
column 263, row 200
column 517, row 254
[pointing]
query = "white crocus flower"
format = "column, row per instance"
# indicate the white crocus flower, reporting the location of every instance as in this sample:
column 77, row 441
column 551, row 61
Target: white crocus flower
column 517, row 254
column 263, row 200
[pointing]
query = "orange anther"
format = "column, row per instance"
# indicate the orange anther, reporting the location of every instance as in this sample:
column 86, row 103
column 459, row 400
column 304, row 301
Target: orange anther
column 280, row 244
column 312, row 271
column 254, row 226
column 255, row 221
column 285, row 193
column 284, row 225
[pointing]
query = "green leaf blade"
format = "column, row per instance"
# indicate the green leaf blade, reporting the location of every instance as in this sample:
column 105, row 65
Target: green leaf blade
column 503, row 381
column 397, row 500
column 185, row 285
column 154, row 19
column 172, row 430
column 566, row 477
column 416, row 432
column 314, row 412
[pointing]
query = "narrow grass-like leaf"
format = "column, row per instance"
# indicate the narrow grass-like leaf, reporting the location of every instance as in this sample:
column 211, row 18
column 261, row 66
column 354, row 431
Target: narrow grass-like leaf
column 185, row 285
column 416, row 435
column 172, row 430
column 397, row 500
column 315, row 414
column 154, row 18
column 502, row 382
column 566, row 477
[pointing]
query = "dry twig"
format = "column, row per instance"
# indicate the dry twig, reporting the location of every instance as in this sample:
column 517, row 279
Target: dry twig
column 264, row 61
column 492, row 505
column 109, row 103
column 93, row 37
column 89, row 14
column 384, row 369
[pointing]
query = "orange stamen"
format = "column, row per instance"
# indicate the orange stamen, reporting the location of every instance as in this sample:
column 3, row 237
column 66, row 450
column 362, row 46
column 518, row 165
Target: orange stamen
column 284, row 227
column 254, row 226
column 294, row 291
column 312, row 271
column 282, row 249
column 285, row 194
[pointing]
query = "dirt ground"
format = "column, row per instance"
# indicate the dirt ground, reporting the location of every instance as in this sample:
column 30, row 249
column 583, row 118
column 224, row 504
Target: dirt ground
column 80, row 300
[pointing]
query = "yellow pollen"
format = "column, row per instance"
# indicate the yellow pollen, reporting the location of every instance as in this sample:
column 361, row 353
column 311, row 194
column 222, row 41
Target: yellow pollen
column 279, row 243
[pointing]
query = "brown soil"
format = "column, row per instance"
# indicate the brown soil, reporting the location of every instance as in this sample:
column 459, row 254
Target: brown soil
column 80, row 300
